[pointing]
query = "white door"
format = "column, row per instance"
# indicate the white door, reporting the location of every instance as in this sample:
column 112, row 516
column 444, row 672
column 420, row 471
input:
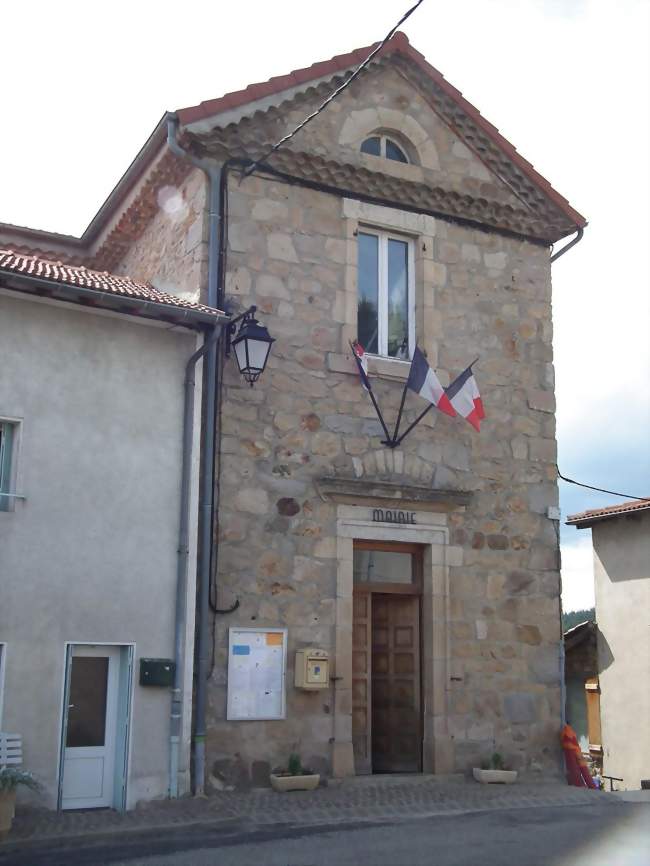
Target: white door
column 90, row 732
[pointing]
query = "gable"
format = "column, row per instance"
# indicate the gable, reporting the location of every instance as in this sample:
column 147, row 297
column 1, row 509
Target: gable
column 455, row 173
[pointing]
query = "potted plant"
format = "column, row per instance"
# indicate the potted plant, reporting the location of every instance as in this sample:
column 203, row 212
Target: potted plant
column 494, row 772
column 295, row 777
column 10, row 779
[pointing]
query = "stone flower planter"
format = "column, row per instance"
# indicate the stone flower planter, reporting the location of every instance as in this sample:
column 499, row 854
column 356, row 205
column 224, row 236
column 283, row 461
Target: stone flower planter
column 7, row 810
column 495, row 777
column 294, row 783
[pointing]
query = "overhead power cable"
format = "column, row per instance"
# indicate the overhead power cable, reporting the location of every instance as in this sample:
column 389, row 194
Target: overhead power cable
column 599, row 489
column 333, row 95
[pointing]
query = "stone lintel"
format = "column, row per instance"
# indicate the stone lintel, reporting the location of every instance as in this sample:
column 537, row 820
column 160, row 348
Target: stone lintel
column 385, row 494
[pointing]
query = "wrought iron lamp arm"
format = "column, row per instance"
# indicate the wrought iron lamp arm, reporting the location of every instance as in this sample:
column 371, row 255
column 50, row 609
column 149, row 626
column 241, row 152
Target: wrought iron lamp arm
column 231, row 327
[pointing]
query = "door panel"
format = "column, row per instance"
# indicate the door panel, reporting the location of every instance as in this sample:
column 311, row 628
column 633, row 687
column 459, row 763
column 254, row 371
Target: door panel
column 361, row 661
column 395, row 664
column 90, row 736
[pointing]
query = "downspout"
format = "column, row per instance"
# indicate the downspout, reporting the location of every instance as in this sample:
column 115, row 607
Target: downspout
column 572, row 243
column 182, row 562
column 213, row 173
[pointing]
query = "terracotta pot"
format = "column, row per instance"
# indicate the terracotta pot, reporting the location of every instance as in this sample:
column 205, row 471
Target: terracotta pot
column 294, row 783
column 7, row 809
column 495, row 777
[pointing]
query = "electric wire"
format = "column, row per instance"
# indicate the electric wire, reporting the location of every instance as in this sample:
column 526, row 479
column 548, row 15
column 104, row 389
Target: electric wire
column 599, row 489
column 334, row 94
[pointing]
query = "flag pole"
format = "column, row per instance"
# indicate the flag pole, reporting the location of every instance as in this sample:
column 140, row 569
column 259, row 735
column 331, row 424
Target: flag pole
column 388, row 441
column 399, row 414
column 411, row 426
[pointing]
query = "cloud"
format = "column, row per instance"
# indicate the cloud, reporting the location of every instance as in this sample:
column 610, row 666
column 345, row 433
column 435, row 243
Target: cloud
column 578, row 572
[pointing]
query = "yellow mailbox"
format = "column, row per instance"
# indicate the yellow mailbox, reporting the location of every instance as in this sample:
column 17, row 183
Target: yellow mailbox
column 312, row 669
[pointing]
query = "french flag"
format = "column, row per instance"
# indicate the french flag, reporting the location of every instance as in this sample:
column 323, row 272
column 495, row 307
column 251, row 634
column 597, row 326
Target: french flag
column 424, row 382
column 362, row 364
column 465, row 398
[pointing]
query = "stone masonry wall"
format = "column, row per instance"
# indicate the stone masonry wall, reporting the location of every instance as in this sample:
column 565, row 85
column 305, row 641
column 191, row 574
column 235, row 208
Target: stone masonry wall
column 292, row 252
column 172, row 251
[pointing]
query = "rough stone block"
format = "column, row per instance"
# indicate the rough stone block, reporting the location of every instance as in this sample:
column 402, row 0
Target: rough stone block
column 541, row 401
column 520, row 708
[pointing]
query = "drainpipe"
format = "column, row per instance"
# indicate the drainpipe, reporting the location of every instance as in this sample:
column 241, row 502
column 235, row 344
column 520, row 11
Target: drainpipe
column 213, row 173
column 565, row 249
column 183, row 556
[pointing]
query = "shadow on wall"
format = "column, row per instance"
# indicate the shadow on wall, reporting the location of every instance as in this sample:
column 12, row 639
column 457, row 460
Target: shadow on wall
column 605, row 654
column 623, row 548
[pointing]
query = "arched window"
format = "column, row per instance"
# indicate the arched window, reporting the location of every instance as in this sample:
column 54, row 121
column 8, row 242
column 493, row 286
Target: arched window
column 381, row 145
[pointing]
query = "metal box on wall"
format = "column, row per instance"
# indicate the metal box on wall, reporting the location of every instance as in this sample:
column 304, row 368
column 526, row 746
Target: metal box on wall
column 312, row 669
column 157, row 672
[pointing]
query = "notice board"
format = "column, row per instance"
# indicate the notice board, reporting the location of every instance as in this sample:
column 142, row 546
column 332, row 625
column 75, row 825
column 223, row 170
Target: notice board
column 257, row 662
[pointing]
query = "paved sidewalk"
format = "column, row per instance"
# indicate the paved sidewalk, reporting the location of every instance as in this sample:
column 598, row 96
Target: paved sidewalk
column 370, row 798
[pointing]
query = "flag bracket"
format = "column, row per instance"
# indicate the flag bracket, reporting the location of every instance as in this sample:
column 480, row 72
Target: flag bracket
column 392, row 441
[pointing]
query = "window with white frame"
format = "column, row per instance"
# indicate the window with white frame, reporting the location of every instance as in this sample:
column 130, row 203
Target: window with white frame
column 7, row 448
column 382, row 145
column 386, row 296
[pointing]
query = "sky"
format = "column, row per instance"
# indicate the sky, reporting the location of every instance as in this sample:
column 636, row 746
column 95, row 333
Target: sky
column 566, row 81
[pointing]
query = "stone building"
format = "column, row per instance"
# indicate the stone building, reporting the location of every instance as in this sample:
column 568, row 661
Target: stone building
column 429, row 571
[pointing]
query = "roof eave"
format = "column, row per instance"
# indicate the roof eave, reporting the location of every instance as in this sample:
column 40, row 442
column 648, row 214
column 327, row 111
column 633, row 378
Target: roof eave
column 95, row 298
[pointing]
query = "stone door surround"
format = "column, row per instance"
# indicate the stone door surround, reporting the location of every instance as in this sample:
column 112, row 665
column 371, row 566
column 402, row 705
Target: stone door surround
column 429, row 529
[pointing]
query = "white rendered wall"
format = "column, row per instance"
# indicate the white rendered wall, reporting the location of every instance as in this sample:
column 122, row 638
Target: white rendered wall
column 90, row 554
column 622, row 577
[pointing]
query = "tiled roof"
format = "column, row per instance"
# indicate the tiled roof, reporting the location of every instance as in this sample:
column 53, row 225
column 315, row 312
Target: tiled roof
column 586, row 518
column 400, row 45
column 17, row 264
column 418, row 196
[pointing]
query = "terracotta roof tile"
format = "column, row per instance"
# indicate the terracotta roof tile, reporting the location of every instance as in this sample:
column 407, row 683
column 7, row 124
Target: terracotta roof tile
column 398, row 44
column 18, row 264
column 586, row 518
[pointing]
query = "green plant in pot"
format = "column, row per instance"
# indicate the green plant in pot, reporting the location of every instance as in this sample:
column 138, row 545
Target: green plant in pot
column 494, row 771
column 10, row 779
column 295, row 777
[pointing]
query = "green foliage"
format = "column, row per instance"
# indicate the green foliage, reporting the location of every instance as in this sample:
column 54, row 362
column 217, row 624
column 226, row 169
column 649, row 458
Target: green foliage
column 11, row 778
column 294, row 765
column 575, row 617
column 496, row 762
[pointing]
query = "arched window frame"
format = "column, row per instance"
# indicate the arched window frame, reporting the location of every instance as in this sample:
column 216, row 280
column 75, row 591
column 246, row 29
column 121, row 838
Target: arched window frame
column 383, row 141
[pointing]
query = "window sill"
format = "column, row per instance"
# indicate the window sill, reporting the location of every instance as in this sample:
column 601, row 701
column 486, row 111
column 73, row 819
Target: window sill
column 382, row 368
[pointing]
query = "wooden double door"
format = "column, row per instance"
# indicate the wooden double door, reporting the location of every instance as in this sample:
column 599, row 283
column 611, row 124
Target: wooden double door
column 386, row 677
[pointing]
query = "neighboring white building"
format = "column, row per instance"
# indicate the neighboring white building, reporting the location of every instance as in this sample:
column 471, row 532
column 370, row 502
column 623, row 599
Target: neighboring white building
column 91, row 441
column 621, row 541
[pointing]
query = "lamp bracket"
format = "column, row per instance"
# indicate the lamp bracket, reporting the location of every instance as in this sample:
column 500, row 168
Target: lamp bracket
column 231, row 327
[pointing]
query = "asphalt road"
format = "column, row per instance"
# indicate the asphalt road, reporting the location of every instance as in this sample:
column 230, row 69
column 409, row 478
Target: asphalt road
column 593, row 835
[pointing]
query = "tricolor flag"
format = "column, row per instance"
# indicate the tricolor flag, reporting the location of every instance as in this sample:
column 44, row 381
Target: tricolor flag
column 465, row 398
column 362, row 364
column 424, row 382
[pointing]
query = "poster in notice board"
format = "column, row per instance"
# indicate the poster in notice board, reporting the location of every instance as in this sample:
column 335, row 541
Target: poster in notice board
column 257, row 662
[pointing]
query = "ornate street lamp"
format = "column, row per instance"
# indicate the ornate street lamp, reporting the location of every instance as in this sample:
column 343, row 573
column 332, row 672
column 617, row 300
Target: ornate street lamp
column 252, row 345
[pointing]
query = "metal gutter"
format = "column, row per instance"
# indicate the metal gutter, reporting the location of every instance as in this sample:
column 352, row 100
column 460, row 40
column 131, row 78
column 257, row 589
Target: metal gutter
column 180, row 619
column 206, row 501
column 567, row 247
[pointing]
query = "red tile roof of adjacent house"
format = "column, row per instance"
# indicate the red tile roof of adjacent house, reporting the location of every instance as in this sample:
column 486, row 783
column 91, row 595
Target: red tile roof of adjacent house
column 398, row 43
column 101, row 282
column 586, row 518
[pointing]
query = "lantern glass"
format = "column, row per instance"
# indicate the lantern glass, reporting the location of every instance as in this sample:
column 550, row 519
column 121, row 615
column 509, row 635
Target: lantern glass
column 252, row 346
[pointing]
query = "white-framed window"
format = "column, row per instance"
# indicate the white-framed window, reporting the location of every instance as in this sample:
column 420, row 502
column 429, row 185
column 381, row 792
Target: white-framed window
column 8, row 438
column 386, row 293
column 383, row 145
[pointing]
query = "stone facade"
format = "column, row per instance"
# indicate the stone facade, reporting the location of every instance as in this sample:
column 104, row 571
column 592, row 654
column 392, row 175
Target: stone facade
column 171, row 251
column 491, row 580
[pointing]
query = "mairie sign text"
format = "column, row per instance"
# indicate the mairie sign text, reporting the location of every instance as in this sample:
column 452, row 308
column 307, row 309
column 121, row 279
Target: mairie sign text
column 385, row 515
